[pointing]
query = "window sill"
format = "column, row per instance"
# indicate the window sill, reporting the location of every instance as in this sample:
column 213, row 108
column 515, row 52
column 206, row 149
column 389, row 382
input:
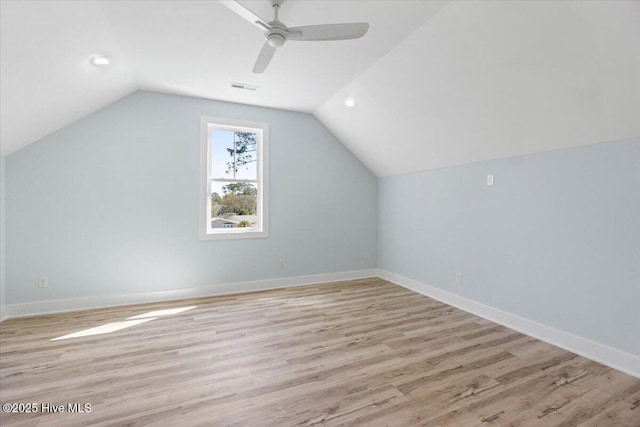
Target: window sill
column 232, row 235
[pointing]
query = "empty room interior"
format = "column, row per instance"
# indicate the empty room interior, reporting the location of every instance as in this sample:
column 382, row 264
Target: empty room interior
column 319, row 213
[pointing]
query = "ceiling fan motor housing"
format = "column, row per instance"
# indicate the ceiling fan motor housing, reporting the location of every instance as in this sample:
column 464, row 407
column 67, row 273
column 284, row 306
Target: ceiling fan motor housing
column 278, row 34
column 276, row 39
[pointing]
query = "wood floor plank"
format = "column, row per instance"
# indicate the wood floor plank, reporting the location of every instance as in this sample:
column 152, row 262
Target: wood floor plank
column 362, row 352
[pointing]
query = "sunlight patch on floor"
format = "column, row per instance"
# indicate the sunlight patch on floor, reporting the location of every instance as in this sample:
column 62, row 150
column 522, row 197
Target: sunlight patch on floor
column 159, row 313
column 104, row 329
column 131, row 321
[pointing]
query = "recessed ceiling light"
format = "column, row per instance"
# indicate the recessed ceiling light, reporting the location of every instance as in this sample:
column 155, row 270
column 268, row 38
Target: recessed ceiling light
column 350, row 102
column 102, row 59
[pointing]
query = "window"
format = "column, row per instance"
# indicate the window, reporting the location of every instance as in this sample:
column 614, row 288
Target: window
column 233, row 179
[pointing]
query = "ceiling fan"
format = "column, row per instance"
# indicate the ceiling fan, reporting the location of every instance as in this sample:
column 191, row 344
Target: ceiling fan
column 276, row 33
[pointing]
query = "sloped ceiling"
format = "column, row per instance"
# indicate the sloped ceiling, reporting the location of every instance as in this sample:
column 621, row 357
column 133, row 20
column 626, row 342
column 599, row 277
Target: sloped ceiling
column 436, row 83
column 194, row 48
column 486, row 80
column 199, row 48
column 45, row 76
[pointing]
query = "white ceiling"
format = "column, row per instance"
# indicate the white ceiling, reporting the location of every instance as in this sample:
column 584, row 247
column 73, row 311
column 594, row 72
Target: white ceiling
column 46, row 81
column 487, row 80
column 194, row 48
column 436, row 83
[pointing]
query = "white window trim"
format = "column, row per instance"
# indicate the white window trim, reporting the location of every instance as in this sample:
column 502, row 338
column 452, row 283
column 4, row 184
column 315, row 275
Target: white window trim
column 205, row 230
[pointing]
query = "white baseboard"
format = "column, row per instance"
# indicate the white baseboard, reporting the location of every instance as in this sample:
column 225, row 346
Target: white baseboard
column 616, row 359
column 85, row 303
column 600, row 353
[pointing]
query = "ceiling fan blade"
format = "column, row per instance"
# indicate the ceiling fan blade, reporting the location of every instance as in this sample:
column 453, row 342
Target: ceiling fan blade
column 246, row 14
column 264, row 58
column 329, row 32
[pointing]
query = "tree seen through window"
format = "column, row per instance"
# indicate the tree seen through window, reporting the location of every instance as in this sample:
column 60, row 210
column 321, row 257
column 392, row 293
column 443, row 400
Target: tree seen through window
column 235, row 202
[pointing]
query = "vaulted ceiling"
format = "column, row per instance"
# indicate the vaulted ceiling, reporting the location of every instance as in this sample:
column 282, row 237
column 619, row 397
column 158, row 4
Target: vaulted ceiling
column 436, row 83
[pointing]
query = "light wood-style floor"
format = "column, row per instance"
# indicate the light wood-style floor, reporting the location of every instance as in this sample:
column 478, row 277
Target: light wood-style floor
column 364, row 352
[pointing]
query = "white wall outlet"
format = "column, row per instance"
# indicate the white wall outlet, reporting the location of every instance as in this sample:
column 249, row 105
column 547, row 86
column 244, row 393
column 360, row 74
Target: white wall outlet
column 281, row 264
column 458, row 277
column 489, row 179
column 43, row 282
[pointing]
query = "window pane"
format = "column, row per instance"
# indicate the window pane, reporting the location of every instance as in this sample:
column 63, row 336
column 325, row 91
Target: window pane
column 233, row 154
column 234, row 205
column 221, row 142
column 231, row 189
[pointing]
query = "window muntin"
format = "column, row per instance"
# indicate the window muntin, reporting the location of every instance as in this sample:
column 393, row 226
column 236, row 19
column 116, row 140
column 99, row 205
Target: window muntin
column 233, row 179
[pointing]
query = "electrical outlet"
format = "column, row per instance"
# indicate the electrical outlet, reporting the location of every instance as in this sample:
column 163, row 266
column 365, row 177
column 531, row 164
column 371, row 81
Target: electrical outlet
column 458, row 277
column 489, row 179
column 43, row 282
column 281, row 264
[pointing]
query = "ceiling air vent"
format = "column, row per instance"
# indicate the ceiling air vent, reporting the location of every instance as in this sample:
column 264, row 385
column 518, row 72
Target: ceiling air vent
column 244, row 86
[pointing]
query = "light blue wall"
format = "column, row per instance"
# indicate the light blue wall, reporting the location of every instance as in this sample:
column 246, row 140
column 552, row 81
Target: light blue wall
column 109, row 204
column 555, row 240
column 2, row 238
